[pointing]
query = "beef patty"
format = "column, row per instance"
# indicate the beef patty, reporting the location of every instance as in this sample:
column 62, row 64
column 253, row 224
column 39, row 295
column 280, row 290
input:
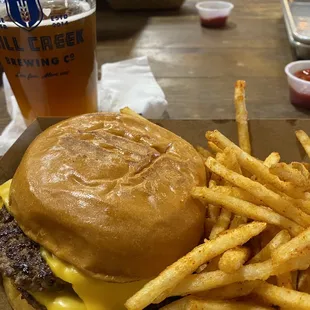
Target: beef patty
column 21, row 261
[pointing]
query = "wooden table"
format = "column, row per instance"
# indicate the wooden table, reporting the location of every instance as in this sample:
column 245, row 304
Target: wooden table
column 197, row 67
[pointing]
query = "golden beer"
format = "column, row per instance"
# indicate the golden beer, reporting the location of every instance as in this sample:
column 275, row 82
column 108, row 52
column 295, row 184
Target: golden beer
column 52, row 69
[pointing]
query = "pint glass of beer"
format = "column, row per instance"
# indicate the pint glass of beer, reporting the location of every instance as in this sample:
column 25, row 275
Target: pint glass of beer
column 47, row 50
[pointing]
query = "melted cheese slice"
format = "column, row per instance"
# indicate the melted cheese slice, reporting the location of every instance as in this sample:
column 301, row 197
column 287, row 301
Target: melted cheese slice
column 91, row 294
column 96, row 294
column 4, row 192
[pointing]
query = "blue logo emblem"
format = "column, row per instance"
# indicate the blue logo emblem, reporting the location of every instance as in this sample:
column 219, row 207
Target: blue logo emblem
column 26, row 14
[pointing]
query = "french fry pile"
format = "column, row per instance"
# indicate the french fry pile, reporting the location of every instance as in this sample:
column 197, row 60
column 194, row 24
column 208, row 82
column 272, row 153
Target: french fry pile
column 256, row 252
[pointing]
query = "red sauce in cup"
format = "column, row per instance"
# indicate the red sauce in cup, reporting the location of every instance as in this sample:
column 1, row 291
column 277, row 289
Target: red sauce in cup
column 301, row 100
column 303, row 74
column 216, row 22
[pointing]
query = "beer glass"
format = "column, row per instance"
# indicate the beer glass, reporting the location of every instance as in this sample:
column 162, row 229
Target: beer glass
column 47, row 50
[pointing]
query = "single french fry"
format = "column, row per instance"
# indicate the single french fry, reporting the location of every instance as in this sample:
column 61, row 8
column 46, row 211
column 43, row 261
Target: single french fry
column 283, row 297
column 242, row 117
column 231, row 291
column 280, row 238
column 221, row 224
column 296, row 248
column 128, row 111
column 301, row 167
column 238, row 193
column 233, row 259
column 287, row 173
column 272, row 199
column 231, row 161
column 214, row 148
column 194, row 303
column 255, row 166
column 215, row 179
column 244, row 208
column 304, row 140
column 285, row 280
column 214, row 212
column 304, row 205
column 238, row 221
column 203, row 152
column 198, row 283
column 272, row 159
column 161, row 286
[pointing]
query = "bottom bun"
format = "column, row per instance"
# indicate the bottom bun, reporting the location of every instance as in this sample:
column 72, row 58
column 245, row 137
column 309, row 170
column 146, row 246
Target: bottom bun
column 14, row 297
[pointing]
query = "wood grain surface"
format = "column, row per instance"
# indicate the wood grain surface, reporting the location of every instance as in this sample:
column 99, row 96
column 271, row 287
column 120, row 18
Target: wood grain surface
column 197, row 67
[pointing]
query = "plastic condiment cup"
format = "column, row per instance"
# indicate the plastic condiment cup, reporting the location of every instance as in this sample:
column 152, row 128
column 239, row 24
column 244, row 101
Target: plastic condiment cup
column 299, row 89
column 214, row 14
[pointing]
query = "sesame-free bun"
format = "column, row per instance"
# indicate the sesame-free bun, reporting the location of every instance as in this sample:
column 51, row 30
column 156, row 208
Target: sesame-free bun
column 110, row 194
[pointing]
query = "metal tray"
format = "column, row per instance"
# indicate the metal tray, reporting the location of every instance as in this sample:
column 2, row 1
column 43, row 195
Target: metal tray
column 301, row 48
column 297, row 14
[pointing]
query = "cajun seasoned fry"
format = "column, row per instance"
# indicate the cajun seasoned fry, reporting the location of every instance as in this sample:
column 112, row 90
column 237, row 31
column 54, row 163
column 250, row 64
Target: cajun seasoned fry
column 233, row 259
column 301, row 167
column 280, row 238
column 272, row 199
column 255, row 166
column 238, row 193
column 231, row 291
column 221, row 224
column 287, row 173
column 231, row 161
column 272, row 159
column 223, row 220
column 203, row 152
column 214, row 211
column 283, row 297
column 237, row 221
column 161, row 286
column 191, row 303
column 242, row 117
column 244, row 208
column 304, row 140
column 214, row 148
column 205, row 281
column 294, row 249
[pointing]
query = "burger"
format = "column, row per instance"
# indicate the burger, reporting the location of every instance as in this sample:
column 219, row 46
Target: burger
column 99, row 205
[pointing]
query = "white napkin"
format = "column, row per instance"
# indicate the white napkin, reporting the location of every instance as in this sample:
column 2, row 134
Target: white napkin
column 131, row 83
column 128, row 83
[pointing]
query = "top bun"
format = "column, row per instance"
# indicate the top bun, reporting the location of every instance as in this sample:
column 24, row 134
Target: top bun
column 110, row 194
